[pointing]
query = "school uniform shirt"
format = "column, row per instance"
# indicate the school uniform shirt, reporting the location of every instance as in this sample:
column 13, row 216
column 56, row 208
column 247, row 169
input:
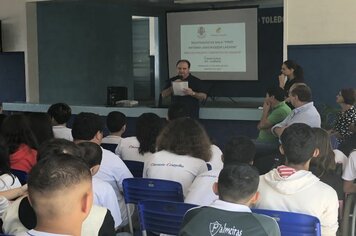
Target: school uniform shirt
column 349, row 173
column 226, row 218
column 20, row 217
column 302, row 192
column 180, row 168
column 33, row 232
column 24, row 158
column 111, row 139
column 201, row 191
column 113, row 171
column 61, row 131
column 215, row 161
column 128, row 149
column 104, row 195
column 340, row 157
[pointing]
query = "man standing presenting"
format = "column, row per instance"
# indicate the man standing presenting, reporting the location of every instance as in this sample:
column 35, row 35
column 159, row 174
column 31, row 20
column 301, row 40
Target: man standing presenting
column 195, row 92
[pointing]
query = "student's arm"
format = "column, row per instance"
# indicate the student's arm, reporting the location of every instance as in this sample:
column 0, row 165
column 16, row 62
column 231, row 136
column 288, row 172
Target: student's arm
column 14, row 193
column 349, row 174
column 329, row 217
column 278, row 131
column 264, row 122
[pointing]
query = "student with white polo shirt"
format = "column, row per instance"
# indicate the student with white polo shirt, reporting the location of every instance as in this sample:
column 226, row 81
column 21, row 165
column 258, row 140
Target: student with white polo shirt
column 237, row 150
column 89, row 127
column 116, row 124
column 183, row 148
column 60, row 114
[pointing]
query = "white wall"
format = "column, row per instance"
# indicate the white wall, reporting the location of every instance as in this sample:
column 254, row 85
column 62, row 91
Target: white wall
column 319, row 22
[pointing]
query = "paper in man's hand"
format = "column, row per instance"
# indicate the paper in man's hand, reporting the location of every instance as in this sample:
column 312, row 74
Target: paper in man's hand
column 178, row 88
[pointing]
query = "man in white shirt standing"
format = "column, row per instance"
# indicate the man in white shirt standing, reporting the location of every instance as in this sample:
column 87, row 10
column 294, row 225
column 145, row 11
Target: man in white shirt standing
column 89, row 127
column 300, row 96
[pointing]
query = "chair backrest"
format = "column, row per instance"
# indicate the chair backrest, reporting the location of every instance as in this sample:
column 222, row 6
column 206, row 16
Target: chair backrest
column 21, row 175
column 293, row 224
column 135, row 167
column 137, row 189
column 162, row 216
column 109, row 146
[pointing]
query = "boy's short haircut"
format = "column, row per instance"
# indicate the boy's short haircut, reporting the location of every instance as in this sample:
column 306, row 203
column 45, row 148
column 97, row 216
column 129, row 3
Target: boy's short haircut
column 237, row 182
column 298, row 143
column 86, row 125
column 60, row 112
column 239, row 149
column 177, row 110
column 52, row 175
column 91, row 153
column 57, row 146
column 278, row 93
column 115, row 121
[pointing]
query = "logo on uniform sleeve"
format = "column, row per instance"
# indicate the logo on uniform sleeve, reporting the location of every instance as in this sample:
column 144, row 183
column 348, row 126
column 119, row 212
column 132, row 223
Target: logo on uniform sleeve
column 216, row 228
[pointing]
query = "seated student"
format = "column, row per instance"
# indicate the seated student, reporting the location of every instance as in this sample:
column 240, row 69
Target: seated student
column 177, row 110
column 326, row 165
column 60, row 193
column 21, row 142
column 292, row 187
column 89, row 127
column 183, row 148
column 141, row 146
column 60, row 114
column 237, row 190
column 104, row 194
column 237, row 150
column 116, row 124
column 349, row 174
column 20, row 217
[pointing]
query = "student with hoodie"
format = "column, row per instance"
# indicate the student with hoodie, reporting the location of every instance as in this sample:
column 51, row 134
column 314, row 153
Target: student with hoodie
column 291, row 187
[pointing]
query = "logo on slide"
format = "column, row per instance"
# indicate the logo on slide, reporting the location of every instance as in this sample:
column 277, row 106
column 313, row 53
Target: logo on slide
column 201, row 32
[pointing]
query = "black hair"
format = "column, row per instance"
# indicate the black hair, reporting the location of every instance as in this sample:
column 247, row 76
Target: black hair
column 177, row 110
column 91, row 153
column 41, row 126
column 277, row 92
column 148, row 126
column 60, row 112
column 298, row 70
column 16, row 131
column 5, row 159
column 63, row 171
column 57, row 146
column 349, row 95
column 298, row 142
column 302, row 91
column 86, row 125
column 115, row 121
column 183, row 60
column 239, row 149
column 237, row 182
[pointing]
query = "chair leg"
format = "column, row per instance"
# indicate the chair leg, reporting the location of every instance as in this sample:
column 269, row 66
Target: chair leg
column 130, row 219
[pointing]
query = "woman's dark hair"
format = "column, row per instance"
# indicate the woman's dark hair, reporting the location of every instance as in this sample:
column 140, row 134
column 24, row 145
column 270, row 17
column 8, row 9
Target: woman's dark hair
column 325, row 161
column 41, row 126
column 5, row 159
column 349, row 95
column 148, row 126
column 298, row 70
column 185, row 136
column 16, row 130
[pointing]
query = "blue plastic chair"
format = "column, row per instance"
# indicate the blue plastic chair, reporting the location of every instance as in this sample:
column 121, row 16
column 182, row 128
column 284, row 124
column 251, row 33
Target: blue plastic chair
column 21, row 175
column 109, row 146
column 162, row 216
column 293, row 224
column 135, row 167
column 138, row 189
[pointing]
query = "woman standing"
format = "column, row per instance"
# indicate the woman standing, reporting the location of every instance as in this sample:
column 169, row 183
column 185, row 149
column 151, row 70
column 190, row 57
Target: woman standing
column 294, row 74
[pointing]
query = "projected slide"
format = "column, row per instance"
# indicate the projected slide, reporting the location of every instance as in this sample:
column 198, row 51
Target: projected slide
column 220, row 44
column 214, row 47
